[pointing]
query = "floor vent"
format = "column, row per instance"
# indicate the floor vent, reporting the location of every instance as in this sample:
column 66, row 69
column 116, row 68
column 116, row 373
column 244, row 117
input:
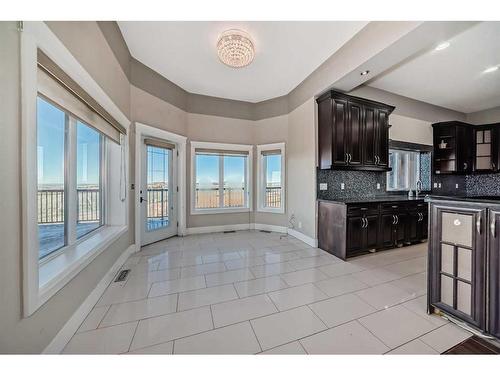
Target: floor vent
column 122, row 276
column 265, row 231
column 229, row 231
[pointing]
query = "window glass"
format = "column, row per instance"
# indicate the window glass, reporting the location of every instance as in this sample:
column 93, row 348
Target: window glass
column 207, row 181
column 88, row 179
column 51, row 136
column 272, row 173
column 157, row 181
column 408, row 171
column 234, row 181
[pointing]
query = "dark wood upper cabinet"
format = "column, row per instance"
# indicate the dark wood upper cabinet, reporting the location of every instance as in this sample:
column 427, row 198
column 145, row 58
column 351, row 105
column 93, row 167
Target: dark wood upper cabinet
column 485, row 147
column 353, row 133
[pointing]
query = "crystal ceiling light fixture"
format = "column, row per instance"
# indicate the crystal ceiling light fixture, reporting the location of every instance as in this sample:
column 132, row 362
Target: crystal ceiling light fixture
column 235, row 48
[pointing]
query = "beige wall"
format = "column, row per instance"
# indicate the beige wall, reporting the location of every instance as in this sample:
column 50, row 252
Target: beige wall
column 301, row 155
column 32, row 335
column 410, row 130
column 487, row 116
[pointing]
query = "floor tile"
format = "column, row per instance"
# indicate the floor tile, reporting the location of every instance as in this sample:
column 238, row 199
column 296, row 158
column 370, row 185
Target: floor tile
column 234, row 339
column 414, row 347
column 342, row 309
column 376, row 276
column 111, row 340
column 313, row 261
column 228, row 277
column 349, row 338
column 303, row 276
column 287, row 326
column 396, row 325
column 258, row 286
column 419, row 307
column 340, row 285
column 339, row 269
column 214, row 258
column 445, row 337
column 93, row 319
column 136, row 310
column 286, row 299
column 172, row 326
column 119, row 294
column 242, row 309
column 207, row 296
column 147, row 278
column 384, row 295
column 291, row 348
column 176, row 286
column 202, row 269
column 244, row 263
column 165, row 348
column 272, row 269
column 280, row 257
column 408, row 267
column 414, row 284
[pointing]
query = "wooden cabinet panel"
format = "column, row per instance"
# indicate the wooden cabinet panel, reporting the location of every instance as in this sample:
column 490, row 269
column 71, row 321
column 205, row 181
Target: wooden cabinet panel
column 494, row 273
column 370, row 136
column 354, row 234
column 325, row 134
column 371, row 232
column 340, row 132
column 382, row 138
column 355, row 134
column 457, row 264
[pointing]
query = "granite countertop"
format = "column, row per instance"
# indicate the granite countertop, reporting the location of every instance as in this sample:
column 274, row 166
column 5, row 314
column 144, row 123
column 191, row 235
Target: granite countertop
column 376, row 199
column 480, row 199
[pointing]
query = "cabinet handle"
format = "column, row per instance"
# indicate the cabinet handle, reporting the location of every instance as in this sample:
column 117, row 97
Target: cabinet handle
column 465, row 166
column 397, row 219
column 349, row 158
column 346, row 159
column 393, row 219
column 365, row 223
column 492, row 165
column 376, row 159
column 493, row 227
column 478, row 224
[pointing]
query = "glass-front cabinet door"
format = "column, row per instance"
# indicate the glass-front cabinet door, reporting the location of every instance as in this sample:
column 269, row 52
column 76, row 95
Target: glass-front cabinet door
column 485, row 149
column 457, row 263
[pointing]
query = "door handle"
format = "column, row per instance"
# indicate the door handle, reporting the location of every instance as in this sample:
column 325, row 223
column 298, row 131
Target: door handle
column 493, row 227
column 142, row 200
column 478, row 224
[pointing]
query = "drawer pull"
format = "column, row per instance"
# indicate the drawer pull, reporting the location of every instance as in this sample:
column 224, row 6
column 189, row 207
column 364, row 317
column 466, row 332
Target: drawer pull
column 394, row 206
column 457, row 222
column 493, row 227
column 478, row 224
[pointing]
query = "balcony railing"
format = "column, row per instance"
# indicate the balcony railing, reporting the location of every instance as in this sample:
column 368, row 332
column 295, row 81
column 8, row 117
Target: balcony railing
column 157, row 203
column 273, row 196
column 51, row 206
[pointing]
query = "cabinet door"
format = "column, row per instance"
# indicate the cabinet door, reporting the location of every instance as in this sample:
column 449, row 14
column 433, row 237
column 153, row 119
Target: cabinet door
column 371, row 232
column 485, row 149
column 464, row 149
column 457, row 262
column 387, row 230
column 355, row 134
column 340, row 138
column 370, row 136
column 494, row 273
column 413, row 226
column 400, row 227
column 424, row 225
column 382, row 125
column 325, row 134
column 354, row 234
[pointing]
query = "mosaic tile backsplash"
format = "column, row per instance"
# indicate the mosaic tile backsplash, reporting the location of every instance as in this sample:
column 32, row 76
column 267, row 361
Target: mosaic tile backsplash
column 484, row 184
column 358, row 184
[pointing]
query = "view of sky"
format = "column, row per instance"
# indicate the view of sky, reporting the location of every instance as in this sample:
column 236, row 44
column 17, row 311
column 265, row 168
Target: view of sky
column 273, row 170
column 207, row 171
column 157, row 165
column 88, row 150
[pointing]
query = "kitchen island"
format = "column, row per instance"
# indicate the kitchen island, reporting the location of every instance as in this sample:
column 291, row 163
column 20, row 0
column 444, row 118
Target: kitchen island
column 464, row 260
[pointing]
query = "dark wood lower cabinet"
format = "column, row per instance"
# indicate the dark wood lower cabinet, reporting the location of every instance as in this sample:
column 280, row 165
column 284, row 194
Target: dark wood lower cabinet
column 347, row 230
column 494, row 273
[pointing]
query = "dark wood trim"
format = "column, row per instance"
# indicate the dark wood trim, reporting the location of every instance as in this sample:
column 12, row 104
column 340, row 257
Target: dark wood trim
column 401, row 145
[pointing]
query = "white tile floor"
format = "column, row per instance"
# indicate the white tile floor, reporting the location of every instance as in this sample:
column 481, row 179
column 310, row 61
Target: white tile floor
column 250, row 292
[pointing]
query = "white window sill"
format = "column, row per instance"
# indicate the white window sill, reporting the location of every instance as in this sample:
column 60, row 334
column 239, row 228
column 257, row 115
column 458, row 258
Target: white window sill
column 58, row 271
column 271, row 210
column 208, row 211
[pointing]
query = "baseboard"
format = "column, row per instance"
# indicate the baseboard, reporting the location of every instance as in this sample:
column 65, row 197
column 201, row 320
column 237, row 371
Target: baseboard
column 58, row 343
column 218, row 228
column 269, row 227
column 304, row 238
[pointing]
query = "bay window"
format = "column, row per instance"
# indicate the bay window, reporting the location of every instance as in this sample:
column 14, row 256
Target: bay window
column 271, row 178
column 220, row 177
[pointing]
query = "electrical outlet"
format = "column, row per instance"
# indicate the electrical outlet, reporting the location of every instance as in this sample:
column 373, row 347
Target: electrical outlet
column 323, row 186
column 378, row 186
column 456, row 186
column 435, row 184
column 439, row 185
column 300, row 224
column 342, row 186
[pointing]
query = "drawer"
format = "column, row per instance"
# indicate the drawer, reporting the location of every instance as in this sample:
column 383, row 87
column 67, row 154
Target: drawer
column 393, row 206
column 362, row 209
column 417, row 206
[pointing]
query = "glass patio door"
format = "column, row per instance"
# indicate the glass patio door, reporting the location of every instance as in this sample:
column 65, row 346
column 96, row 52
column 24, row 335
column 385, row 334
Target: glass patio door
column 157, row 195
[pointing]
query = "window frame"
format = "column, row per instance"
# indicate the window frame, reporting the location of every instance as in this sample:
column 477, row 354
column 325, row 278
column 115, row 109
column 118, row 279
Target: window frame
column 261, row 178
column 223, row 147
column 41, row 281
column 407, row 178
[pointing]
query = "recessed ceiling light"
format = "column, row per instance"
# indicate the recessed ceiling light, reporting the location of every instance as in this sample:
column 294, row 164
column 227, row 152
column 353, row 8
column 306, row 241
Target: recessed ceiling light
column 491, row 69
column 365, row 72
column 442, row 46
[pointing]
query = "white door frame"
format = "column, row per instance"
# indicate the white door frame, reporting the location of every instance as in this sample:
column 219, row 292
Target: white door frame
column 141, row 131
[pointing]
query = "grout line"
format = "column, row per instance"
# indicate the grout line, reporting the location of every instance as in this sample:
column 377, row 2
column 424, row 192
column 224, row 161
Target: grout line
column 256, row 337
column 133, row 336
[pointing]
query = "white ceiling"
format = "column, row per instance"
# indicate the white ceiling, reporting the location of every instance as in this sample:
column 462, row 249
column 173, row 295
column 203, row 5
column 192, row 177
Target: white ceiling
column 454, row 77
column 286, row 53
